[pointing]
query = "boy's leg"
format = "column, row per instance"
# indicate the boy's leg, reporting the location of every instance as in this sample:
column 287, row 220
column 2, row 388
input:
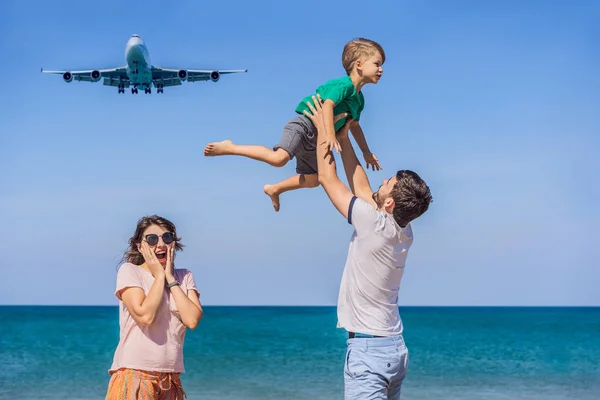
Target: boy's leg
column 306, row 168
column 284, row 151
column 292, row 183
column 276, row 158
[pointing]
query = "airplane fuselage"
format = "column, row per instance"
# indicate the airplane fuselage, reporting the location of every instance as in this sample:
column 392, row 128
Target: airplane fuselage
column 137, row 58
column 139, row 73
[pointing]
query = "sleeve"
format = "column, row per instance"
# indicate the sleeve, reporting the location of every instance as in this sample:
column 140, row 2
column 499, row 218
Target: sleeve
column 127, row 277
column 361, row 107
column 362, row 215
column 336, row 92
column 189, row 282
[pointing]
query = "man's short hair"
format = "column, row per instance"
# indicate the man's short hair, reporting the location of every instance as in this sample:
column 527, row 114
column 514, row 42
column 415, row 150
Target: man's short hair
column 411, row 197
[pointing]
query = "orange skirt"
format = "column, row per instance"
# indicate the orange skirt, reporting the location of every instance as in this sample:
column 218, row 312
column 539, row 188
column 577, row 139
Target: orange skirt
column 133, row 384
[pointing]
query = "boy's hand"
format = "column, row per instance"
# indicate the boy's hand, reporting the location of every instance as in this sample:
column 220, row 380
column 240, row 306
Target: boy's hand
column 371, row 159
column 332, row 143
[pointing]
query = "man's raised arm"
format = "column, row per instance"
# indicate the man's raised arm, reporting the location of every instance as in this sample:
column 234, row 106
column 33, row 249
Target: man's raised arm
column 338, row 193
column 355, row 173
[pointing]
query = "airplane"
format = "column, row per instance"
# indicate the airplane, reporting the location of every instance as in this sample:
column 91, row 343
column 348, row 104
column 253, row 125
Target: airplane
column 140, row 73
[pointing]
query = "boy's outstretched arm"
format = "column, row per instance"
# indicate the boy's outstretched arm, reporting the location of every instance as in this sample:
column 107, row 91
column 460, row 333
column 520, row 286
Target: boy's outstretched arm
column 338, row 193
column 355, row 173
column 370, row 158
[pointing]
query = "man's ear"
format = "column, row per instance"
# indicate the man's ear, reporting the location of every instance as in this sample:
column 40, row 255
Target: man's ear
column 389, row 204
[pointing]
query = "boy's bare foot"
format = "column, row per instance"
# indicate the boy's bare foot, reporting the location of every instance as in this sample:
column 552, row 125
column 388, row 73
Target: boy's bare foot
column 270, row 191
column 219, row 148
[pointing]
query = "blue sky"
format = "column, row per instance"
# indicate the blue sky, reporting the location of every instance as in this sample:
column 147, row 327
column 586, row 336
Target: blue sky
column 495, row 104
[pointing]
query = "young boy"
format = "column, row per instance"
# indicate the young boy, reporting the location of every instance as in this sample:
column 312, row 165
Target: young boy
column 363, row 60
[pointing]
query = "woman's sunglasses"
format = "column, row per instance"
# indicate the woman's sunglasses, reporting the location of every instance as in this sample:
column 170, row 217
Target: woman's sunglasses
column 167, row 238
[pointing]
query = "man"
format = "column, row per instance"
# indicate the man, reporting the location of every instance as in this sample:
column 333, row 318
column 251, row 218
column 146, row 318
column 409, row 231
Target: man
column 376, row 357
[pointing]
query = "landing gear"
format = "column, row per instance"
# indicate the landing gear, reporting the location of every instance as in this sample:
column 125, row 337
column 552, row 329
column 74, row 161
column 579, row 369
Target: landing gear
column 121, row 88
column 159, row 88
column 147, row 90
column 134, row 90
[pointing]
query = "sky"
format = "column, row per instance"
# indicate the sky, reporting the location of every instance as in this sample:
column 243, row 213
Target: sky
column 495, row 104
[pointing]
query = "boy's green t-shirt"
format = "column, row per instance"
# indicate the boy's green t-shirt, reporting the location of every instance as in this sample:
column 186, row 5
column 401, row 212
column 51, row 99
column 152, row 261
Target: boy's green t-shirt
column 343, row 93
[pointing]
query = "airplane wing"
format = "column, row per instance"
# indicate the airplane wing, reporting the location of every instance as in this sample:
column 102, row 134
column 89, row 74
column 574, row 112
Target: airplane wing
column 112, row 76
column 172, row 77
column 161, row 77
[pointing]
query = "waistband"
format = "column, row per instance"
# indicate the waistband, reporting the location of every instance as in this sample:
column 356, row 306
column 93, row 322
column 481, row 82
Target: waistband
column 165, row 380
column 365, row 340
column 352, row 335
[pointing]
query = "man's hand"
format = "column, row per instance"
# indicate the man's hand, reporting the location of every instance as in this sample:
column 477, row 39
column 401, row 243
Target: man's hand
column 317, row 117
column 371, row 160
column 315, row 114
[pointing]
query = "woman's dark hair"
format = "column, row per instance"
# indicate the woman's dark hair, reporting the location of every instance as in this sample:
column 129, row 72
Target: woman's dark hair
column 132, row 254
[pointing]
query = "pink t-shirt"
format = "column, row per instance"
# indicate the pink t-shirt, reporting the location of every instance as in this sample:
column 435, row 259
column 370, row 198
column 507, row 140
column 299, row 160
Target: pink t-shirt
column 158, row 347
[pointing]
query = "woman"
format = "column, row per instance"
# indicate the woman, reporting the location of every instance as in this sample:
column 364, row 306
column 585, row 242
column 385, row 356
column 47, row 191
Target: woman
column 156, row 304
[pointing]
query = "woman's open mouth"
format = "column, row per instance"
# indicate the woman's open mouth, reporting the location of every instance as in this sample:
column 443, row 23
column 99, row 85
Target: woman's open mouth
column 161, row 256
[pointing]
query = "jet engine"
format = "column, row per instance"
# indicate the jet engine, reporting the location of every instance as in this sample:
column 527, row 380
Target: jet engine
column 183, row 75
column 95, row 75
column 68, row 77
column 215, row 76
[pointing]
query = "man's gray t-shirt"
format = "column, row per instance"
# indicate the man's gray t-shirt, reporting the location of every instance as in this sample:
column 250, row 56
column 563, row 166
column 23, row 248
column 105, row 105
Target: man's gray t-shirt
column 368, row 297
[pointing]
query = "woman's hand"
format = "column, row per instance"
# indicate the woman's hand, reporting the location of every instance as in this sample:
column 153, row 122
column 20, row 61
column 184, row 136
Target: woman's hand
column 151, row 261
column 169, row 268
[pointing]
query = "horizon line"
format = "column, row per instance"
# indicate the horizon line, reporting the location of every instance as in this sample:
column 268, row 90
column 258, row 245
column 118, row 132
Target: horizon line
column 321, row 305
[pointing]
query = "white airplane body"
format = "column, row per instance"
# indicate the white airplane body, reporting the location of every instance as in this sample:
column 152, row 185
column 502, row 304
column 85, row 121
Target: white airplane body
column 140, row 73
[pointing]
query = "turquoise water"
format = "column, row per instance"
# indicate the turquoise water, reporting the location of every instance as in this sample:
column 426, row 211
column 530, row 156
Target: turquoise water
column 297, row 353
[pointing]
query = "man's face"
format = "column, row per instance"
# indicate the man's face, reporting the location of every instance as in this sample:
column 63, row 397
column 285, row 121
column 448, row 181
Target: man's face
column 385, row 191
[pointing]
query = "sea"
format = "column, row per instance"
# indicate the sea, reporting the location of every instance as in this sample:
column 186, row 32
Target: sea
column 252, row 353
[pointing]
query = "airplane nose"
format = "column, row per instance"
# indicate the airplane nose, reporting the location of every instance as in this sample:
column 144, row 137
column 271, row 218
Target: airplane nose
column 133, row 42
column 133, row 51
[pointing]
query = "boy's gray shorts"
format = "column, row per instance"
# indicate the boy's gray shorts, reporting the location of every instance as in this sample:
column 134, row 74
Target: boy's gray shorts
column 299, row 139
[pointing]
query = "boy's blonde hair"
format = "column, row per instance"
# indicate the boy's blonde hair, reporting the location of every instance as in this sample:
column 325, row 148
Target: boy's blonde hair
column 360, row 48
